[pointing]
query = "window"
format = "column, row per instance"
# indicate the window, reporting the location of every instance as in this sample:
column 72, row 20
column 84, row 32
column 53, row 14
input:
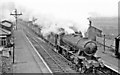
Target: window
column 2, row 42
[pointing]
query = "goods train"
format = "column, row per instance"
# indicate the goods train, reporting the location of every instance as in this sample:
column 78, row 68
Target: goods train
column 80, row 51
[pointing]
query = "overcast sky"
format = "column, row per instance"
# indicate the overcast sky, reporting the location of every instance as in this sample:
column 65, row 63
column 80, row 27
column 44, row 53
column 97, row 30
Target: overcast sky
column 67, row 9
column 48, row 11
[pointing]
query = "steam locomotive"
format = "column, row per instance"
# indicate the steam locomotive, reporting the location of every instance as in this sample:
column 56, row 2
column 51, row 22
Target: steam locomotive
column 80, row 51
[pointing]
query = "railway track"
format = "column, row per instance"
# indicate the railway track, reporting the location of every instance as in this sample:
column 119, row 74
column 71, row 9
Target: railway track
column 66, row 62
column 55, row 61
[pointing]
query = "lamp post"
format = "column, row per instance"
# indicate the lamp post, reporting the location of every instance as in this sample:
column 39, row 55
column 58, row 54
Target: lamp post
column 13, row 45
column 104, row 43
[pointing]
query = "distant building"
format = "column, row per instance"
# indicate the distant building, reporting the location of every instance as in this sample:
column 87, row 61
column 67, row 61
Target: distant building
column 92, row 32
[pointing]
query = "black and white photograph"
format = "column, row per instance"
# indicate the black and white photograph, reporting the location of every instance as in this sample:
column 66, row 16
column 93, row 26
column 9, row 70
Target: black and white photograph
column 60, row 37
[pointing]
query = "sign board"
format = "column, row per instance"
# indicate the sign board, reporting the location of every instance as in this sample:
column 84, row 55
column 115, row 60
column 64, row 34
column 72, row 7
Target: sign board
column 5, row 53
column 1, row 48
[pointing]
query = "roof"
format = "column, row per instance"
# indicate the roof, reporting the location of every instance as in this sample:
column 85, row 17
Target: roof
column 3, row 36
column 96, row 28
column 6, row 23
column 5, row 27
column 4, row 32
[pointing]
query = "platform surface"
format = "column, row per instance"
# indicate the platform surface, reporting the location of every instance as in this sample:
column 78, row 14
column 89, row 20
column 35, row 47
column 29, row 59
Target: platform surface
column 109, row 59
column 26, row 59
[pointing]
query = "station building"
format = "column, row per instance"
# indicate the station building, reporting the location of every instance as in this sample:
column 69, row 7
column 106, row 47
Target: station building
column 93, row 32
column 6, row 35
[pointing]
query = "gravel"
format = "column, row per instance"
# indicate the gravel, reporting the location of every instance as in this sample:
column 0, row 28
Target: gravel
column 5, row 65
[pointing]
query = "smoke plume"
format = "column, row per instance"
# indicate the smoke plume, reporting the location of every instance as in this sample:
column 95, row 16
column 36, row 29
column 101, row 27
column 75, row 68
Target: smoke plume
column 50, row 24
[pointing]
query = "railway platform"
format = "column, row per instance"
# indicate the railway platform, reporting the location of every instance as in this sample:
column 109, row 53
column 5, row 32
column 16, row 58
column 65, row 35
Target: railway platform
column 27, row 59
column 109, row 59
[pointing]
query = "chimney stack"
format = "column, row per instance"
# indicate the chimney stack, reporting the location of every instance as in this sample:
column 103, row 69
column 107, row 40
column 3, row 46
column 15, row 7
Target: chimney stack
column 90, row 22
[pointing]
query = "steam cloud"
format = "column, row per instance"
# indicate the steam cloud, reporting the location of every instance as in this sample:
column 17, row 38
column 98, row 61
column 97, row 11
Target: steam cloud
column 69, row 27
column 48, row 22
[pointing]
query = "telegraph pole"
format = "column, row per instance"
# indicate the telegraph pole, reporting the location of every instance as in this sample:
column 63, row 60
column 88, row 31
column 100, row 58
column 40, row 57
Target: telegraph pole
column 104, row 42
column 15, row 14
